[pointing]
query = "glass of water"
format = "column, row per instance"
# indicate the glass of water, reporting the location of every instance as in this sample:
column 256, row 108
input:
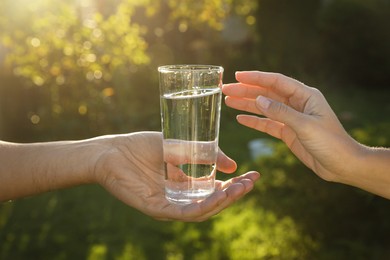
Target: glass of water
column 190, row 101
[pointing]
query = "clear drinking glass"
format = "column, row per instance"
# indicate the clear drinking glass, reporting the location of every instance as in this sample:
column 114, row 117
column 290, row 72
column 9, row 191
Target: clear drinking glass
column 190, row 100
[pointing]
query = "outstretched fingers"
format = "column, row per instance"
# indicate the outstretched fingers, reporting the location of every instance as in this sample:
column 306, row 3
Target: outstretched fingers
column 271, row 127
column 275, row 82
column 235, row 189
column 243, row 104
column 264, row 125
column 252, row 176
column 240, row 90
column 226, row 194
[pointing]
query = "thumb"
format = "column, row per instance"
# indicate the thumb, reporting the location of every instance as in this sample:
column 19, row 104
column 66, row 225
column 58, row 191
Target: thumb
column 224, row 163
column 279, row 112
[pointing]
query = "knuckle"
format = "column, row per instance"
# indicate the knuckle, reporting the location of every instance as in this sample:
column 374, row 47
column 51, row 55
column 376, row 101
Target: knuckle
column 279, row 108
column 278, row 78
column 316, row 92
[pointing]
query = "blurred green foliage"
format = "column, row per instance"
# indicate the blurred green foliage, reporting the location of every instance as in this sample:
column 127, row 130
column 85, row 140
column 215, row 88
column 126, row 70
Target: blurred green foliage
column 75, row 69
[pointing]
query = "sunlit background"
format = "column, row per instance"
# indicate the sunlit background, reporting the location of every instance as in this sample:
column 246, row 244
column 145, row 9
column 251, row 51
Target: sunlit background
column 74, row 69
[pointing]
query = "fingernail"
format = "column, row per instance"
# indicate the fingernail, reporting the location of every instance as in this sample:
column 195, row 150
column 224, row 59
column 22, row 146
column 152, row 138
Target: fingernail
column 263, row 102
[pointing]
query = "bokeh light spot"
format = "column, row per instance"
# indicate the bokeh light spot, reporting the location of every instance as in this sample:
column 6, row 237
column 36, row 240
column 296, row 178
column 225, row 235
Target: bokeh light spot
column 35, row 42
column 35, row 119
column 108, row 92
column 250, row 20
column 83, row 109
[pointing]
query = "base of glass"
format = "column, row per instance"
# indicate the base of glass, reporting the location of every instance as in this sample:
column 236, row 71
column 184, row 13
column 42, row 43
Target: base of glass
column 186, row 197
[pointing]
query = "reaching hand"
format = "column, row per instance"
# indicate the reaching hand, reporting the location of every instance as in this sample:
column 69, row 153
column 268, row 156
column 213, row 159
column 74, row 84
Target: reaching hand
column 298, row 115
column 133, row 171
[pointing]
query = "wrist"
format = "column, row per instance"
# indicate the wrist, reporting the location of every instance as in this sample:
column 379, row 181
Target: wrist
column 370, row 170
column 350, row 163
column 66, row 163
column 94, row 152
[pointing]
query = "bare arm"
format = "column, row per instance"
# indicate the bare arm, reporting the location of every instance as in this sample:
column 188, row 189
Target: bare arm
column 372, row 171
column 129, row 166
column 29, row 169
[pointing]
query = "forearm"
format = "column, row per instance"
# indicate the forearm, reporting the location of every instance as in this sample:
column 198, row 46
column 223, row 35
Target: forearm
column 28, row 169
column 371, row 171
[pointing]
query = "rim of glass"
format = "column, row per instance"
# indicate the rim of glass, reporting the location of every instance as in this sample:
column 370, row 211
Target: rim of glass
column 190, row 67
